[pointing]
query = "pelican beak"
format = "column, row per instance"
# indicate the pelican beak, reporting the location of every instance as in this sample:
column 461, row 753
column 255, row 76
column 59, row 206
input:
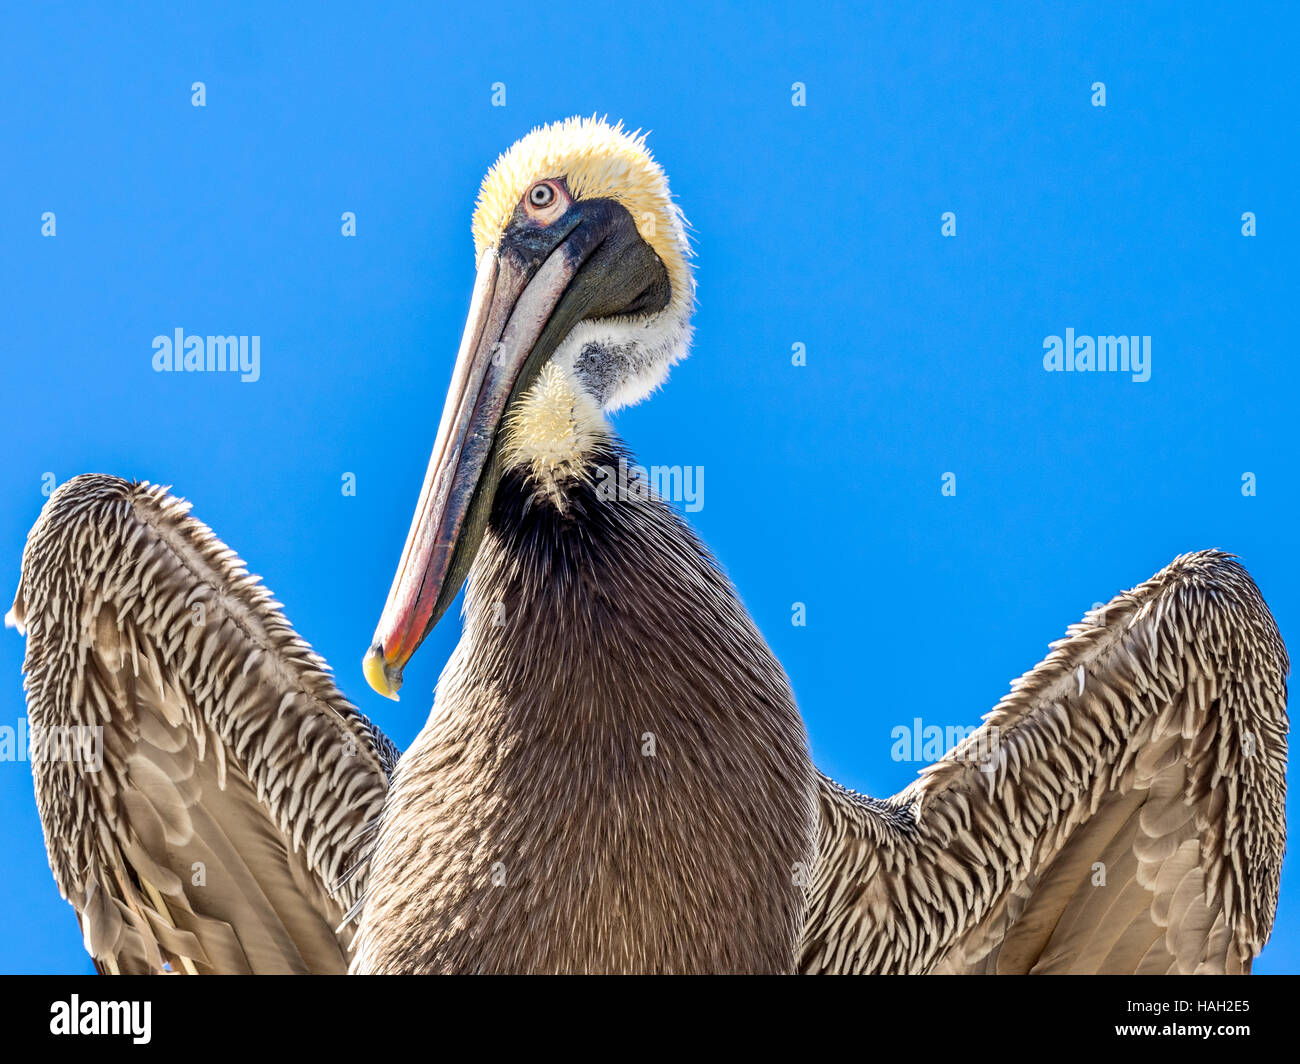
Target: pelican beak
column 530, row 292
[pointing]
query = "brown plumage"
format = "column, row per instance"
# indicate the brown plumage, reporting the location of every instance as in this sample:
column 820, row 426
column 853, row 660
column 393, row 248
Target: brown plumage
column 615, row 777
column 1121, row 811
column 235, row 778
column 527, row 830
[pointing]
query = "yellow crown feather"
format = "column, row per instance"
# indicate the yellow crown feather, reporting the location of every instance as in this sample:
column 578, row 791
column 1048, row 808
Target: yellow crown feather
column 595, row 160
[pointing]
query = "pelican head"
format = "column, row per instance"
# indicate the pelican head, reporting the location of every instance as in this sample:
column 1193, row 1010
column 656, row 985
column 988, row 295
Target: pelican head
column 581, row 304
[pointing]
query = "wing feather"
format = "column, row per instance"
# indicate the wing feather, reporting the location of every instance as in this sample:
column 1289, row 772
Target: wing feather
column 1121, row 810
column 232, row 781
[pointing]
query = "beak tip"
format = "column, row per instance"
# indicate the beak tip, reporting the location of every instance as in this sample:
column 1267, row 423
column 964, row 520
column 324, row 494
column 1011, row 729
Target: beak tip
column 382, row 678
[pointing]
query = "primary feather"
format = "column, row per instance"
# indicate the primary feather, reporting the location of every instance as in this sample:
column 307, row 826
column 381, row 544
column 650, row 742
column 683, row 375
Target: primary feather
column 233, row 776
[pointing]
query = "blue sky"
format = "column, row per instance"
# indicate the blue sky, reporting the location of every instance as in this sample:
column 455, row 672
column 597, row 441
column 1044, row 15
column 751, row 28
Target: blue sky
column 817, row 225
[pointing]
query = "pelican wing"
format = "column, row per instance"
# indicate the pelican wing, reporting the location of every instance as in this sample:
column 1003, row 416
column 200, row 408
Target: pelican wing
column 1120, row 811
column 201, row 782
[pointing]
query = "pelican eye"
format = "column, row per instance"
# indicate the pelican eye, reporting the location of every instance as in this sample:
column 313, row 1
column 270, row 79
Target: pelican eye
column 541, row 195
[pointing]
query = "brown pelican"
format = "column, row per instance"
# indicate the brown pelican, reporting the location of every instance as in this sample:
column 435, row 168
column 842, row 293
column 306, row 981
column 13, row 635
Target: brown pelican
column 614, row 776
